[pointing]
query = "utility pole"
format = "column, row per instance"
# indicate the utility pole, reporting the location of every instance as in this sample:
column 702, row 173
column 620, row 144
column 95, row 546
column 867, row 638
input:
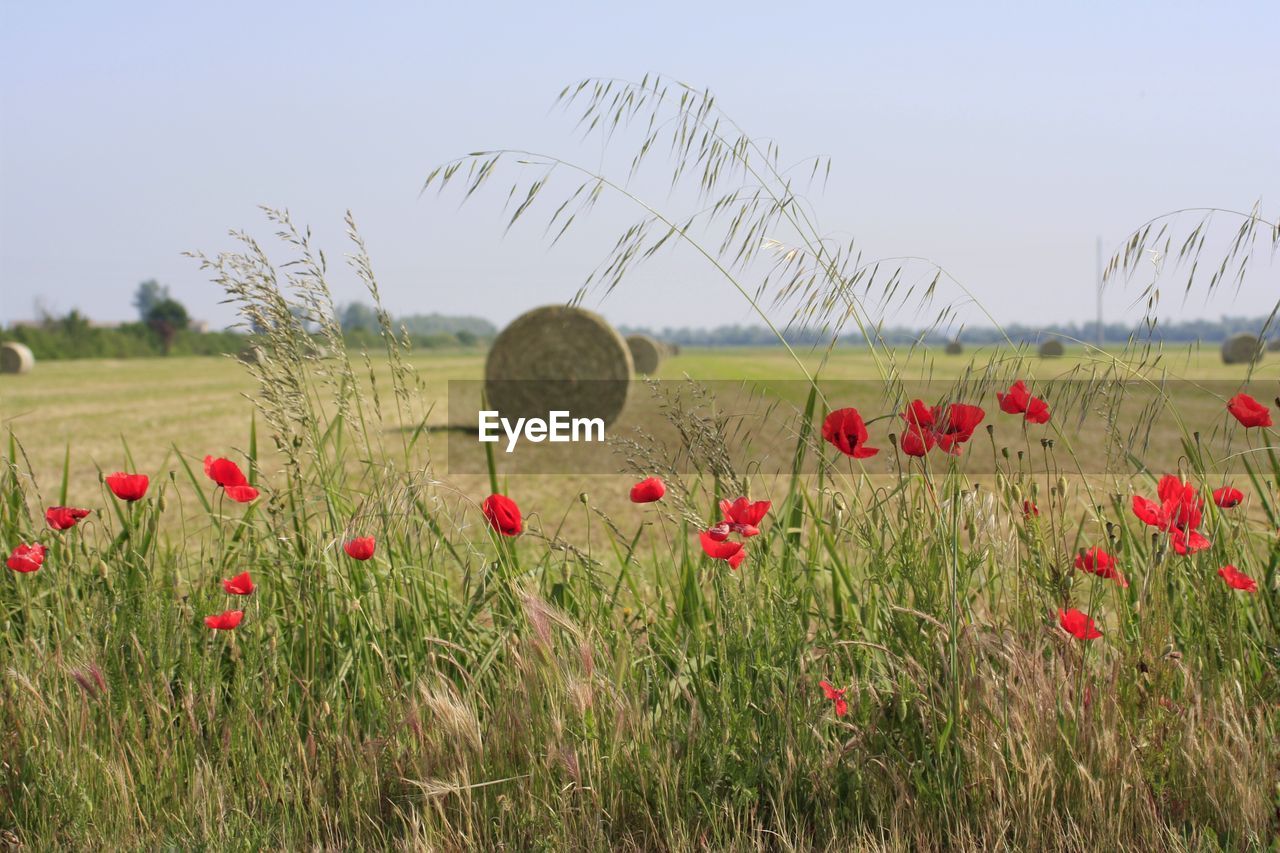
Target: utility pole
column 1099, row 268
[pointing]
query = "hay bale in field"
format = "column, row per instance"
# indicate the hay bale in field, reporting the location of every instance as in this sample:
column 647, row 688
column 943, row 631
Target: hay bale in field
column 646, row 353
column 1241, row 349
column 1274, row 346
column 1052, row 348
column 674, row 348
column 250, row 355
column 16, row 358
column 558, row 358
column 954, row 348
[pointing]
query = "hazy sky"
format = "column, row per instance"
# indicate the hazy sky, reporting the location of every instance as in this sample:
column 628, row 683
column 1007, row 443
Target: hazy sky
column 998, row 142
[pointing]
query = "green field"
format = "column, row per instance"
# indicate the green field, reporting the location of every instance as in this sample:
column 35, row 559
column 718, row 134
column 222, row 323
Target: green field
column 159, row 408
column 597, row 681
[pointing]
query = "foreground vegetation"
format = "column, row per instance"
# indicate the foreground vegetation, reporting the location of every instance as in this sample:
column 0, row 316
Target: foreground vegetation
column 1043, row 657
column 466, row 689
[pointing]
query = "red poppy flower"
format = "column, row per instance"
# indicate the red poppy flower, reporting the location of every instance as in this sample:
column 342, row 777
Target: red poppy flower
column 26, row 558
column 1098, row 562
column 224, row 472
column 648, row 490
column 224, row 621
column 1029, row 509
column 742, row 516
column 919, row 416
column 1237, row 579
column 836, row 696
column 503, row 514
column 228, row 475
column 241, row 584
column 1018, row 401
column 1179, row 513
column 916, row 441
column 63, row 517
column 718, row 550
column 128, row 487
column 360, row 548
column 1181, row 503
column 845, row 430
column 948, row 426
column 738, row 559
column 1186, row 542
column 1248, row 411
column 1227, row 497
column 957, row 426
column 1078, row 625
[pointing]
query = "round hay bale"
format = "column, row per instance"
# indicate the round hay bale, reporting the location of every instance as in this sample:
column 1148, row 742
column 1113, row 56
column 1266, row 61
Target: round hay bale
column 954, row 348
column 675, row 349
column 1241, row 349
column 558, row 358
column 250, row 355
column 1274, row 346
column 645, row 353
column 16, row 358
column 1052, row 348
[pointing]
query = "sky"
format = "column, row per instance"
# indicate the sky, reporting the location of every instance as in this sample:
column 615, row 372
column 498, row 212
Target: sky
column 998, row 141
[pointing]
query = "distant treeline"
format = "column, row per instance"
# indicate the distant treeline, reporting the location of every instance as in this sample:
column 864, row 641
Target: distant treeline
column 1186, row 331
column 73, row 335
column 359, row 317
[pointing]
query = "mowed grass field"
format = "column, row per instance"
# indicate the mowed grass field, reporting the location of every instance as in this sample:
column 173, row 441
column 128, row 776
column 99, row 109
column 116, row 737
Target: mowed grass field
column 105, row 413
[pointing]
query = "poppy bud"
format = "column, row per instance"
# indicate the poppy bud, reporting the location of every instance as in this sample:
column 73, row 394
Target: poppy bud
column 1004, row 451
column 584, row 498
column 504, row 515
column 991, row 429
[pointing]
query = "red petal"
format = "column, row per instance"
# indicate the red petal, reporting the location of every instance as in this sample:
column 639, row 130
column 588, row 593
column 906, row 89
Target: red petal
column 718, row 550
column 1227, row 497
column 648, row 491
column 1148, row 511
column 241, row 584
column 225, row 621
column 503, row 515
column 1078, row 624
column 1014, row 402
column 1038, row 411
column 241, row 494
column 361, row 548
column 224, row 472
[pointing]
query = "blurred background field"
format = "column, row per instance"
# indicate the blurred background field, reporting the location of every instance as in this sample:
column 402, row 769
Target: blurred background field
column 157, row 408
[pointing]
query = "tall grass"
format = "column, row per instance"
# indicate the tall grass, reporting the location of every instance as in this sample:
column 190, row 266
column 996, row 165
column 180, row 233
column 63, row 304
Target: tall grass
column 463, row 690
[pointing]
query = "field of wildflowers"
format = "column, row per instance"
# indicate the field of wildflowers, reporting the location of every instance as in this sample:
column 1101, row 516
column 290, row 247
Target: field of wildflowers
column 316, row 641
